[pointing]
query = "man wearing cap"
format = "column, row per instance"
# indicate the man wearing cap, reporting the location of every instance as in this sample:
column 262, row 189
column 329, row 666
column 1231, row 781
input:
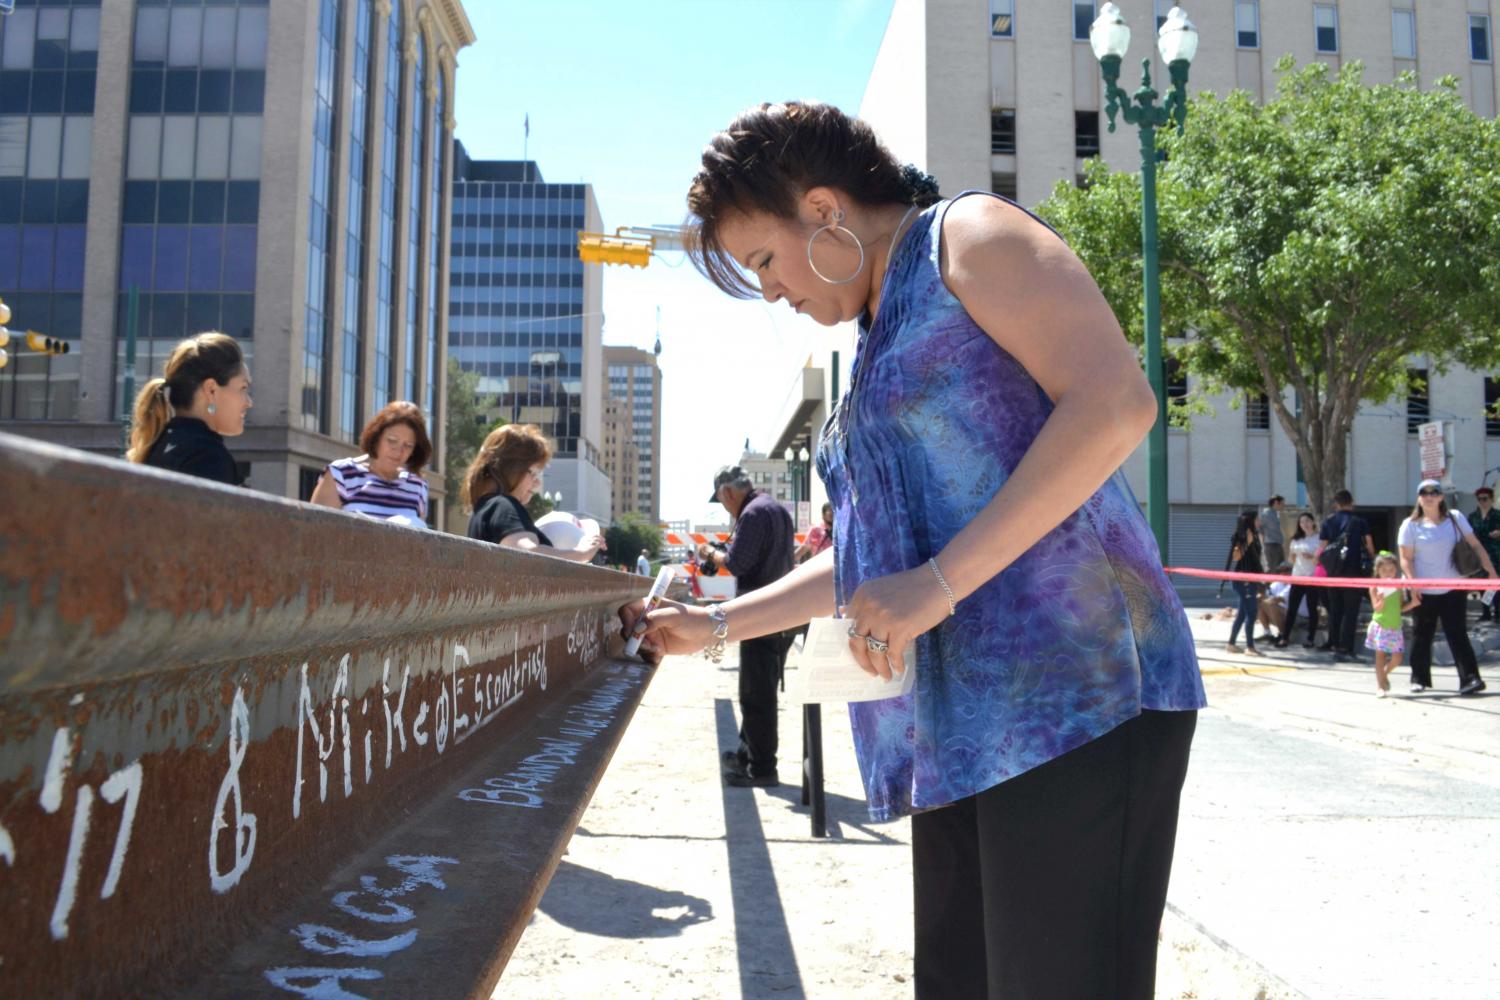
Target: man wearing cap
column 1272, row 540
column 1486, row 524
column 760, row 553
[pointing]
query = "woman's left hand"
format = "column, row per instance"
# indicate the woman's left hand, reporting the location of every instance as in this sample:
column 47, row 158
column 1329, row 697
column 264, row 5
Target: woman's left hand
column 896, row 609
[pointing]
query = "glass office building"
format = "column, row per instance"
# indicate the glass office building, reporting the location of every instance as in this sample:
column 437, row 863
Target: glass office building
column 341, row 107
column 524, row 311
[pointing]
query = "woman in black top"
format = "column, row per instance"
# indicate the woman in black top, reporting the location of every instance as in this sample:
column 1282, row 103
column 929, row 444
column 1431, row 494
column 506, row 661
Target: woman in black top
column 182, row 418
column 501, row 481
column 1245, row 557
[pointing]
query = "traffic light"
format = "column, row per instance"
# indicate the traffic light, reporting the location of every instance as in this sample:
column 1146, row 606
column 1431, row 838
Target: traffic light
column 45, row 344
column 596, row 248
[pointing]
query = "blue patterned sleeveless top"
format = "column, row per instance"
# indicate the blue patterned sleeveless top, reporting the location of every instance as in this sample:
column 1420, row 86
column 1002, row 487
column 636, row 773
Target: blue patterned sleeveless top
column 1075, row 637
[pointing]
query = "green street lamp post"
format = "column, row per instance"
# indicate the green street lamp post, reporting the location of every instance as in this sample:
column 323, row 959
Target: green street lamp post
column 1178, row 43
column 797, row 467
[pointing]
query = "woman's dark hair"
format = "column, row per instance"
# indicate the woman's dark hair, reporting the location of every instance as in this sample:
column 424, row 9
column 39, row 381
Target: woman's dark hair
column 1417, row 515
column 1299, row 533
column 771, row 155
column 399, row 412
column 1244, row 527
column 194, row 361
column 506, row 455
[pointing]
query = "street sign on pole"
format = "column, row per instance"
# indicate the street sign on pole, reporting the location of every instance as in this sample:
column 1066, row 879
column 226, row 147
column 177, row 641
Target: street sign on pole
column 1432, row 447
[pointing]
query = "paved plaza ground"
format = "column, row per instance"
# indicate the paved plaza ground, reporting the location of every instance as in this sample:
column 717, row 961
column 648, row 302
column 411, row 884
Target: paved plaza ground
column 1331, row 845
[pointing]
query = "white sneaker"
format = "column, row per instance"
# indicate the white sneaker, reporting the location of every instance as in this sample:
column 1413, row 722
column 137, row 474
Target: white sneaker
column 1381, row 692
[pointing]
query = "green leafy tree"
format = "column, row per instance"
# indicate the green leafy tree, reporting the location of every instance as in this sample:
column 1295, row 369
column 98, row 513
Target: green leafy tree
column 1311, row 246
column 628, row 535
column 467, row 425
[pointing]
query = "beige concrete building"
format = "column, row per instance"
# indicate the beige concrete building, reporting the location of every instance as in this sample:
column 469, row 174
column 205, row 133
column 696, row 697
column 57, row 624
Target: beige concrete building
column 278, row 170
column 632, row 429
column 1006, row 95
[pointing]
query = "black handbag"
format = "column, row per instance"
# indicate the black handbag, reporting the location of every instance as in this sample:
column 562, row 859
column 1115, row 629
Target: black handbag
column 1465, row 559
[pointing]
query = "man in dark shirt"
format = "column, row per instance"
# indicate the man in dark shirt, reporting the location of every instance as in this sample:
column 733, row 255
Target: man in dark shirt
column 1350, row 535
column 760, row 552
column 1486, row 524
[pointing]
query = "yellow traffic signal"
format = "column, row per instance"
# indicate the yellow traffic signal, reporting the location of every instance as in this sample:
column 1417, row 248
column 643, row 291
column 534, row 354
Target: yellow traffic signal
column 4, row 315
column 4, row 336
column 596, row 248
column 45, row 344
column 4, row 358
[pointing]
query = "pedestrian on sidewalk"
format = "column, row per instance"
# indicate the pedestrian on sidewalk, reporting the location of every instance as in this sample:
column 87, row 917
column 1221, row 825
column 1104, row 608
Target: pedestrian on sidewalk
column 1485, row 520
column 979, row 514
column 385, row 480
column 1271, row 537
column 1345, row 546
column 183, row 416
column 1384, row 635
column 504, row 476
column 1304, row 549
column 1245, row 556
column 759, row 554
column 1427, row 541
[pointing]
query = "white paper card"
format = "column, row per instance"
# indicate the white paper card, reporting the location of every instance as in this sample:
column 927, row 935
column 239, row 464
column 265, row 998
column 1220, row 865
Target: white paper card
column 824, row 670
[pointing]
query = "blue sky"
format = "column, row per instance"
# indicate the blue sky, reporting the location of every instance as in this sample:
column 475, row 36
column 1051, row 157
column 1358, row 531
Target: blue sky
column 624, row 96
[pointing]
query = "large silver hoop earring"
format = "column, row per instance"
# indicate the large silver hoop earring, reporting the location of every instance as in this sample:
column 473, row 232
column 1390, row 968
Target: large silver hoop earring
column 834, row 226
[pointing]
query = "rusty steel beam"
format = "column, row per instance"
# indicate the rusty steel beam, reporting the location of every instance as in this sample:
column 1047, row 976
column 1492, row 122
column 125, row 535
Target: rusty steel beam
column 216, row 704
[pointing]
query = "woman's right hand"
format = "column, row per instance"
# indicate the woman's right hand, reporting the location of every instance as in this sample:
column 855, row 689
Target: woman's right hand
column 672, row 629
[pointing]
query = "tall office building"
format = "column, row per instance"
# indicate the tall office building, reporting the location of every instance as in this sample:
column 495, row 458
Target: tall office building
column 277, row 171
column 632, row 431
column 1006, row 95
column 526, row 314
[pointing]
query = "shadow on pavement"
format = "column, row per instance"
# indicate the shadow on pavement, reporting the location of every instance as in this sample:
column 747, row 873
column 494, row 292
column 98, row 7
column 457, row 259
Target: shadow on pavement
column 593, row 902
column 762, row 941
column 841, row 809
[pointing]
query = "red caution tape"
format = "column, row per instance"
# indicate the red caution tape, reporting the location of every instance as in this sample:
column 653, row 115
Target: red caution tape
column 1360, row 582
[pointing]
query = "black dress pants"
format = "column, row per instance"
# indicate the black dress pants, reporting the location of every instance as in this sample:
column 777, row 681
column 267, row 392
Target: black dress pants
column 761, row 663
column 1052, row 885
column 1294, row 598
column 1451, row 609
column 1343, row 617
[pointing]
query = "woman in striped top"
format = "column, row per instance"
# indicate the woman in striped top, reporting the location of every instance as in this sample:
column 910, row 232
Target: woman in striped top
column 386, row 481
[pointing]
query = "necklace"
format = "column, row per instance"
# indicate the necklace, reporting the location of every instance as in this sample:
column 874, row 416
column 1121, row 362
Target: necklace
column 842, row 420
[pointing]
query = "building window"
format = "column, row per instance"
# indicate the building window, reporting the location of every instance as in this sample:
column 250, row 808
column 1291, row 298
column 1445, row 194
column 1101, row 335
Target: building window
column 1417, row 408
column 386, row 322
column 1083, row 19
column 1326, row 27
column 1176, row 380
column 1085, row 134
column 1163, row 7
column 316, row 334
column 1002, row 130
column 1479, row 37
column 414, row 221
column 1404, row 34
column 351, row 367
column 1004, row 185
column 438, row 141
column 1247, row 24
column 1002, row 18
column 1492, row 407
column 1257, row 411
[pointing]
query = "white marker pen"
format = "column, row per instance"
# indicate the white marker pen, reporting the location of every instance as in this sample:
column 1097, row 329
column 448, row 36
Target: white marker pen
column 658, row 591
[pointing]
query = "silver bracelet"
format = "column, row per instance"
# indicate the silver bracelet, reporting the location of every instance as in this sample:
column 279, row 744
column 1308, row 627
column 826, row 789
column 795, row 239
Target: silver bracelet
column 715, row 650
column 947, row 590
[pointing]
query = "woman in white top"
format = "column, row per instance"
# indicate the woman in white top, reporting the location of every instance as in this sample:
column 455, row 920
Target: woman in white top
column 386, row 481
column 1304, row 550
column 1427, row 540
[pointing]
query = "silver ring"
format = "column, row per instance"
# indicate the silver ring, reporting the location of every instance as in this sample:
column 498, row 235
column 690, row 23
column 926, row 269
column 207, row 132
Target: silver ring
column 876, row 645
column 854, row 632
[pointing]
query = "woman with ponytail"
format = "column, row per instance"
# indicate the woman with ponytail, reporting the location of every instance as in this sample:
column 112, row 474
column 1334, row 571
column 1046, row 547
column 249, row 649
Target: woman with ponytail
column 183, row 417
column 979, row 516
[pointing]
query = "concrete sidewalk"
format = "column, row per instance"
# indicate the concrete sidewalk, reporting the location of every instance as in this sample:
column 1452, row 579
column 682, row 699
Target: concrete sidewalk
column 676, row 886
